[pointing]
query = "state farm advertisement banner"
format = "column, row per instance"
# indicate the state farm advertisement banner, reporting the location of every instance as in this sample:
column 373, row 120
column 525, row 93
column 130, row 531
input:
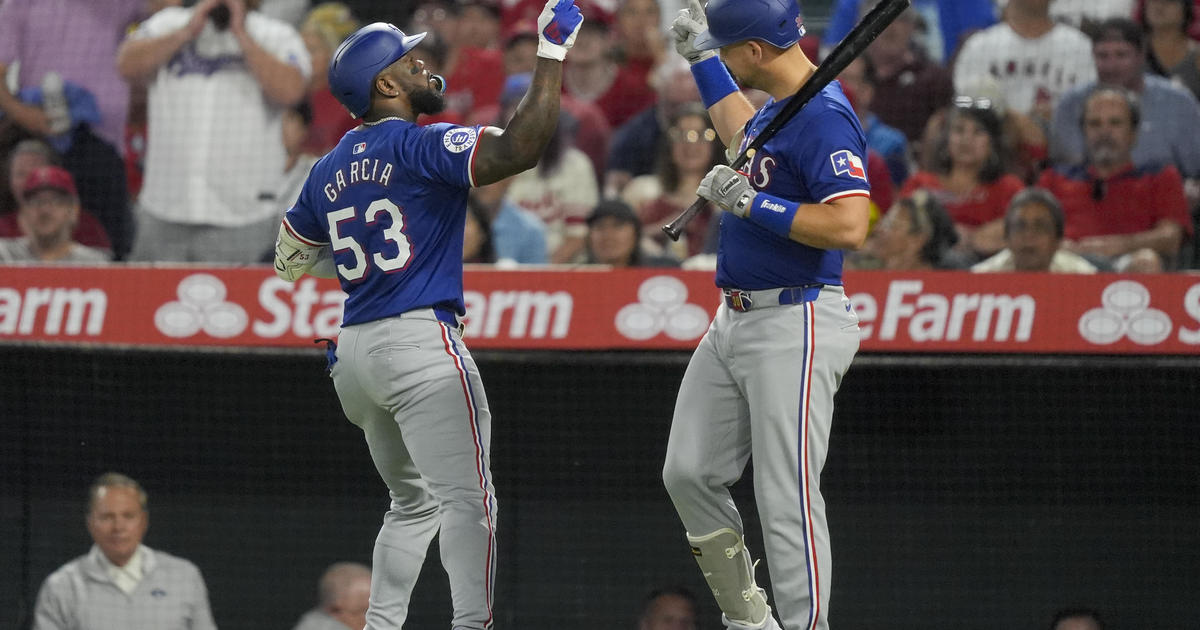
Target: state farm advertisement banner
column 650, row 309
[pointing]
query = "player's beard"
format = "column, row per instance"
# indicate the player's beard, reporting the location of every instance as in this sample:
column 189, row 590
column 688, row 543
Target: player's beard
column 425, row 100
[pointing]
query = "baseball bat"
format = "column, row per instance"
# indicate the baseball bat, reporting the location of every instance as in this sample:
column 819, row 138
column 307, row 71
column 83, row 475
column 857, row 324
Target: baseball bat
column 855, row 42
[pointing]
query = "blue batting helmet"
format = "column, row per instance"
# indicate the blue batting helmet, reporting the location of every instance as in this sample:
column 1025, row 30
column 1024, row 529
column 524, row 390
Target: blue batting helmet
column 361, row 58
column 776, row 22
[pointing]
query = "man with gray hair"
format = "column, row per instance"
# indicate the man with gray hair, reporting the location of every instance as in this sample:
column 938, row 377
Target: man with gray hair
column 1135, row 217
column 343, row 595
column 122, row 583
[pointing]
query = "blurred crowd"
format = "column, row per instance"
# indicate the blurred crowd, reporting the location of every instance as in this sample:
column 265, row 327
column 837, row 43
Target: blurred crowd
column 1010, row 135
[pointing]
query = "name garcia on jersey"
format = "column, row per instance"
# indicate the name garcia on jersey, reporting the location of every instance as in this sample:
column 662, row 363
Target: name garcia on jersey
column 361, row 171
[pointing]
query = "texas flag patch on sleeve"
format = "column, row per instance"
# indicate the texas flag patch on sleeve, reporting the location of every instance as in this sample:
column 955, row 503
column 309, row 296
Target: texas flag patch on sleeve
column 846, row 163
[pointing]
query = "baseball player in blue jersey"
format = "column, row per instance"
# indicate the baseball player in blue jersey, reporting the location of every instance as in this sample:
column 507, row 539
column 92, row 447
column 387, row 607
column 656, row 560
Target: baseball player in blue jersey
column 762, row 380
column 384, row 212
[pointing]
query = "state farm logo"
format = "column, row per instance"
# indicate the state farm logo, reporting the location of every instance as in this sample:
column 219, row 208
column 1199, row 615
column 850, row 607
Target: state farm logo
column 1125, row 312
column 909, row 311
column 201, row 306
column 662, row 308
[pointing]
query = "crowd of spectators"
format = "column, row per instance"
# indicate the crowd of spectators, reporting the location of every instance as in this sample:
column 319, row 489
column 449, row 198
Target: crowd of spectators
column 181, row 130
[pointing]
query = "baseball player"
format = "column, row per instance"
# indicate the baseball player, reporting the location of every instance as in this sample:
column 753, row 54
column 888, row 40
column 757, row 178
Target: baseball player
column 384, row 212
column 762, row 380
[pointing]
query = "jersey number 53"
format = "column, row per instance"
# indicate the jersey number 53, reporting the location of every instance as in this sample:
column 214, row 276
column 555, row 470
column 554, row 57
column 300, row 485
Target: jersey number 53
column 393, row 234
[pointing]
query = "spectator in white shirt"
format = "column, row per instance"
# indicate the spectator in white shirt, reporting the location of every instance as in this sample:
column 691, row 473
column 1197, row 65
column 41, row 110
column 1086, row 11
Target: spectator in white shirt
column 220, row 77
column 1032, row 58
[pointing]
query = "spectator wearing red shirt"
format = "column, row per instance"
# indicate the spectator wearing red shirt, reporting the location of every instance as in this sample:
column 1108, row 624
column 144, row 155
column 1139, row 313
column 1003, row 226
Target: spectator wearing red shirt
column 515, row 12
column 594, row 73
column 323, row 30
column 592, row 131
column 1113, row 210
column 883, row 193
column 468, row 35
column 639, row 39
column 968, row 178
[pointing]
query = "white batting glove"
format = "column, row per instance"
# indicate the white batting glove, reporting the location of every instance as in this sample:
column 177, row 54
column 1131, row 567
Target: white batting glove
column 729, row 189
column 687, row 25
column 557, row 27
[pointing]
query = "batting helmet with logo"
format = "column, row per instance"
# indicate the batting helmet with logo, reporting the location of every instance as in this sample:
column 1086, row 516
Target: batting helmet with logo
column 363, row 56
column 776, row 22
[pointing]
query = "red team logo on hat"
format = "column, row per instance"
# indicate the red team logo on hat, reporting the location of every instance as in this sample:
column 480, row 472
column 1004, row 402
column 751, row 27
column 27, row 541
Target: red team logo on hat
column 846, row 163
column 49, row 177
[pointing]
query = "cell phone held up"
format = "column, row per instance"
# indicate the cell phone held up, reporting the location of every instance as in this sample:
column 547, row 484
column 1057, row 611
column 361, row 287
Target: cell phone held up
column 220, row 16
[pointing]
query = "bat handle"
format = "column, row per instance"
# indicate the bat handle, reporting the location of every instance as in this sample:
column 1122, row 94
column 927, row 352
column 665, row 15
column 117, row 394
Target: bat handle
column 675, row 228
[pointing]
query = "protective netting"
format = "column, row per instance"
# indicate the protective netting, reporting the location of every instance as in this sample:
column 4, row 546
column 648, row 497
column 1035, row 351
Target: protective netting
column 961, row 491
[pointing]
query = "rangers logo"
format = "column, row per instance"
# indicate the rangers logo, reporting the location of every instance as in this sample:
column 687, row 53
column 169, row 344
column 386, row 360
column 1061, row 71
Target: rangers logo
column 460, row 139
column 738, row 300
column 846, row 163
column 360, row 147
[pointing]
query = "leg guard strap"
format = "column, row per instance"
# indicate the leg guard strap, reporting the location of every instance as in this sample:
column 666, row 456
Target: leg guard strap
column 726, row 564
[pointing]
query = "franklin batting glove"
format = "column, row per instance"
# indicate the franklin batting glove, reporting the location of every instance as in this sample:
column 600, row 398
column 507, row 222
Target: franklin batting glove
column 557, row 27
column 687, row 25
column 729, row 189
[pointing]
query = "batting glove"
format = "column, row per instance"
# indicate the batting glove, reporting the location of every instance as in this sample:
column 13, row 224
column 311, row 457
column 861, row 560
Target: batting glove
column 557, row 27
column 729, row 189
column 687, row 25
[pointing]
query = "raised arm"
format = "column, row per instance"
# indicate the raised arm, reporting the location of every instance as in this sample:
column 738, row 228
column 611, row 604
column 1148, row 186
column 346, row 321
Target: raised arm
column 139, row 58
column 518, row 147
column 282, row 83
column 728, row 108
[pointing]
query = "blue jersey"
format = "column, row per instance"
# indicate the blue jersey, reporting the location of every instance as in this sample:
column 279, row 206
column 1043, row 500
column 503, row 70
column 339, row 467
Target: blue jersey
column 391, row 199
column 817, row 157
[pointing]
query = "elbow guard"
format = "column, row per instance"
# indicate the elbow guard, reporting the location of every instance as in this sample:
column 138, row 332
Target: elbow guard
column 293, row 258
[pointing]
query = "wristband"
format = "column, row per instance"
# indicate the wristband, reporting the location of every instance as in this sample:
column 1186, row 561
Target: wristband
column 713, row 80
column 549, row 50
column 773, row 213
